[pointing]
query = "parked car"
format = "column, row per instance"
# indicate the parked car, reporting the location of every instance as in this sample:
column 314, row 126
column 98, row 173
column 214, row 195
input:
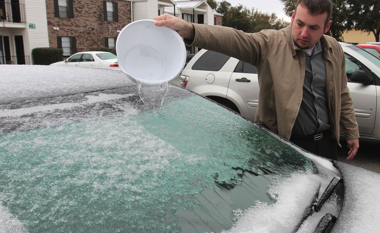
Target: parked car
column 371, row 48
column 234, row 84
column 91, row 59
column 80, row 153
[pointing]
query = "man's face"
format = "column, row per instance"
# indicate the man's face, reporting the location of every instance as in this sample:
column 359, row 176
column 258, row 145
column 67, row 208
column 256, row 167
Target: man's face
column 307, row 29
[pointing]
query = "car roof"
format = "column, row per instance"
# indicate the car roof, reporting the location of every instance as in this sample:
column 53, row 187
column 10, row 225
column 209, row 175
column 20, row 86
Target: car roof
column 34, row 81
column 92, row 52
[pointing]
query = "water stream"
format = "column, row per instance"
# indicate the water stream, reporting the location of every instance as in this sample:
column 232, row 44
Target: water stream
column 152, row 94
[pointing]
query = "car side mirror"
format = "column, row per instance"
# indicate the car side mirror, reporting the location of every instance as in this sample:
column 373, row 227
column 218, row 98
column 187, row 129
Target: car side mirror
column 65, row 60
column 360, row 76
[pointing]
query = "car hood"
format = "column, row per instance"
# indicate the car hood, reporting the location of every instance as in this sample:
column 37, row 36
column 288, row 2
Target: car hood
column 361, row 208
column 98, row 161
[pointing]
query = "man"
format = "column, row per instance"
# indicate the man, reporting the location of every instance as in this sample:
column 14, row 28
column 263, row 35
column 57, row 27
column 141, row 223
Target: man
column 303, row 85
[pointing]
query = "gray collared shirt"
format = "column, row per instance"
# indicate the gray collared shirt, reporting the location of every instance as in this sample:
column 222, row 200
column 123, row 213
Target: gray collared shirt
column 313, row 116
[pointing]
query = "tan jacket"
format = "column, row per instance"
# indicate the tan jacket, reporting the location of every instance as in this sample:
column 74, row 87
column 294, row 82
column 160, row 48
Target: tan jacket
column 281, row 71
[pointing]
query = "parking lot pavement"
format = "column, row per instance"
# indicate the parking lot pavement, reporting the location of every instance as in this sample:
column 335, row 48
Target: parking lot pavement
column 368, row 156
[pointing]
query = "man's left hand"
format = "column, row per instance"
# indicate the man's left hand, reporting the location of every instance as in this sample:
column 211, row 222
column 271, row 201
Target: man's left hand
column 353, row 145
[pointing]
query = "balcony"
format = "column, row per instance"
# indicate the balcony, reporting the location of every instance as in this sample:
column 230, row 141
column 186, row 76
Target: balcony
column 12, row 15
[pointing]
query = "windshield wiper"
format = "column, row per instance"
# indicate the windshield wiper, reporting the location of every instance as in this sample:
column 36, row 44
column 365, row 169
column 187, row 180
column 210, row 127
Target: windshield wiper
column 328, row 220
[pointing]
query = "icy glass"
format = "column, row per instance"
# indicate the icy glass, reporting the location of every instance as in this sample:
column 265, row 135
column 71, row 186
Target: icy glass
column 186, row 167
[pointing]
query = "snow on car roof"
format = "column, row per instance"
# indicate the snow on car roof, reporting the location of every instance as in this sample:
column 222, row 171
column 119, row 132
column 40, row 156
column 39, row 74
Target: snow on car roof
column 31, row 81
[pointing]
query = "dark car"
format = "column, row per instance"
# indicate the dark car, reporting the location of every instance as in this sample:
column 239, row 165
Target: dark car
column 79, row 152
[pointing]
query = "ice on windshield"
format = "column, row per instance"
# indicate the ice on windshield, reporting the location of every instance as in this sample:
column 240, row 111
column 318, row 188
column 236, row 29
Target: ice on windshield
column 111, row 173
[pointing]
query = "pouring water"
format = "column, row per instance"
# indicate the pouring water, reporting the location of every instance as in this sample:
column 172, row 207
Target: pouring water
column 151, row 56
column 152, row 95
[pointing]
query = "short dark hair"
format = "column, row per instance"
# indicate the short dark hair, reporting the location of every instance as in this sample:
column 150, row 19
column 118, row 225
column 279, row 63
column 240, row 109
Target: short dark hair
column 317, row 7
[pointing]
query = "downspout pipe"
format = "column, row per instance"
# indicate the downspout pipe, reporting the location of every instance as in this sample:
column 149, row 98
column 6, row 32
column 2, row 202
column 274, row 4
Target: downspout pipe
column 131, row 11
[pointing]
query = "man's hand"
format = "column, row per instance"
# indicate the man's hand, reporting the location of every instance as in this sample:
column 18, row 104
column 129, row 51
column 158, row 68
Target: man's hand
column 184, row 29
column 353, row 145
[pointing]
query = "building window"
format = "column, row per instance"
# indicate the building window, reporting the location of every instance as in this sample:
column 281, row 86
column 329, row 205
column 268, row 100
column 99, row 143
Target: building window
column 2, row 57
column 5, row 52
column 67, row 44
column 110, row 42
column 110, row 11
column 64, row 8
column 187, row 17
column 2, row 10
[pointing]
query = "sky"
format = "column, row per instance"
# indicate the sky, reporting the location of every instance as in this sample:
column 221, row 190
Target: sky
column 267, row 6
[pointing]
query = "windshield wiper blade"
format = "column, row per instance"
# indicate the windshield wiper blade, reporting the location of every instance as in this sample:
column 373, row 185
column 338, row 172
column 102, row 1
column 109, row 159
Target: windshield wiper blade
column 328, row 220
column 327, row 193
column 326, row 224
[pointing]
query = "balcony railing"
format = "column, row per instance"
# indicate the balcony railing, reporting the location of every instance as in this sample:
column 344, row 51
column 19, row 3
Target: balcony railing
column 14, row 60
column 12, row 12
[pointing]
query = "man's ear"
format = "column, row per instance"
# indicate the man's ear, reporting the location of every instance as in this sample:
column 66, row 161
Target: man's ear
column 293, row 15
column 328, row 25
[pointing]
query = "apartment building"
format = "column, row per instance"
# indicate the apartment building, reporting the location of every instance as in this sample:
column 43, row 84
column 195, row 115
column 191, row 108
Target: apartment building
column 23, row 26
column 82, row 25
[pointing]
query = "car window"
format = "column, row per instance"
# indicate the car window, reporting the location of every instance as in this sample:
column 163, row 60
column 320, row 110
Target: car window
column 74, row 58
column 210, row 60
column 375, row 60
column 244, row 67
column 372, row 51
column 106, row 56
column 352, row 65
column 87, row 57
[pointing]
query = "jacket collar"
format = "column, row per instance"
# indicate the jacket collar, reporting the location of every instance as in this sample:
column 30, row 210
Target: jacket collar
column 326, row 45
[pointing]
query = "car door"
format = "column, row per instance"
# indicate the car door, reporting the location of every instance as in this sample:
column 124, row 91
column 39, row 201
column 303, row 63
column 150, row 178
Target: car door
column 74, row 60
column 209, row 75
column 363, row 97
column 87, row 61
column 243, row 89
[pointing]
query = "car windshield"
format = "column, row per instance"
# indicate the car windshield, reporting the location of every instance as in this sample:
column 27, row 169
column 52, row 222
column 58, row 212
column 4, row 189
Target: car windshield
column 106, row 56
column 367, row 55
column 97, row 161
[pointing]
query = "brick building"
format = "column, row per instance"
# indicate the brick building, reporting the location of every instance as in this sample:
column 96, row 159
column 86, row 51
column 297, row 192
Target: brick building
column 75, row 25
column 82, row 25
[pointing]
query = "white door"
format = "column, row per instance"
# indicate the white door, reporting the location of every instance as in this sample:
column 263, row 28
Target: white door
column 244, row 89
column 74, row 60
column 363, row 97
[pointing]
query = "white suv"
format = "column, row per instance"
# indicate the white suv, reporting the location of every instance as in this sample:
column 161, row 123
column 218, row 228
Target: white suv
column 234, row 84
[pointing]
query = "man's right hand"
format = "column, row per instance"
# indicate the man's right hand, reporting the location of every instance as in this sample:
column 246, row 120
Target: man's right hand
column 184, row 29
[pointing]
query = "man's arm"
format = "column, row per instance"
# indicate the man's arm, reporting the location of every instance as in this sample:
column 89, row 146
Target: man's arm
column 348, row 119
